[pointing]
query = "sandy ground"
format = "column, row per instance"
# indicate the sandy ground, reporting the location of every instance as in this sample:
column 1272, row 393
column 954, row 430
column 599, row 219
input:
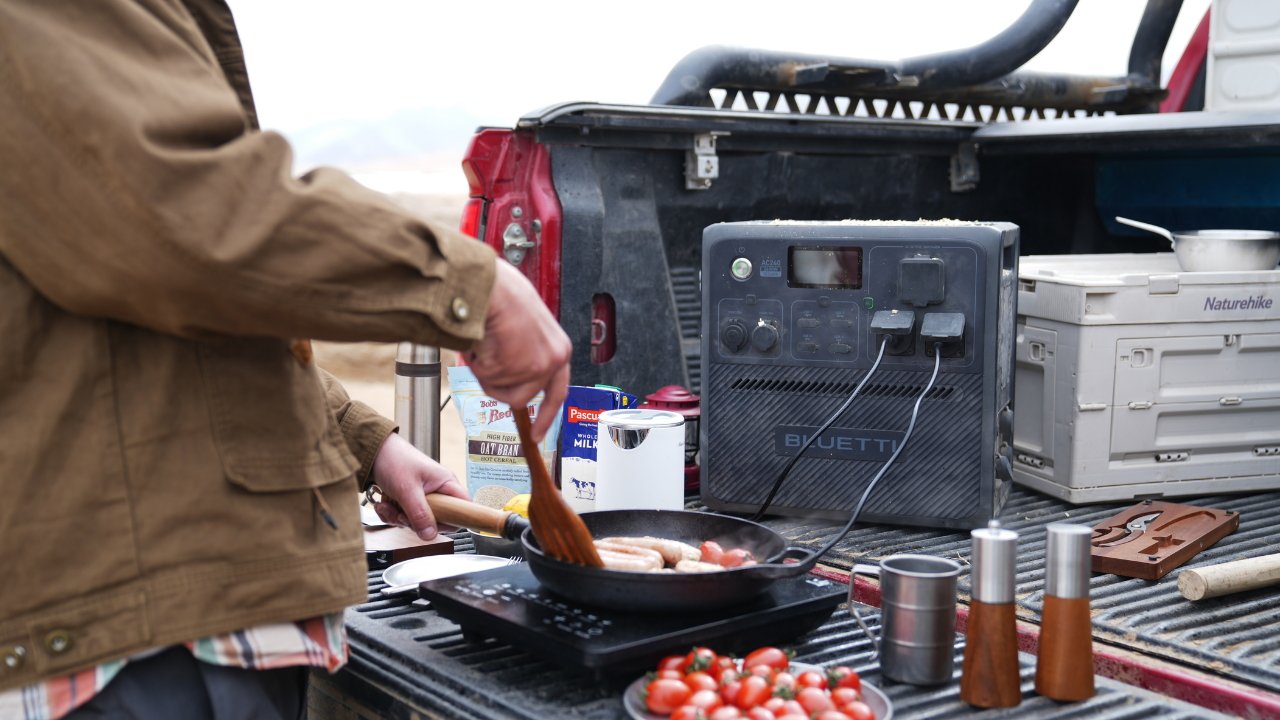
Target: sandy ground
column 367, row 370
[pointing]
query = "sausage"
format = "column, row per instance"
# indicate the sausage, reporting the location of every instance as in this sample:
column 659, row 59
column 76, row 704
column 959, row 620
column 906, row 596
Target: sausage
column 697, row 566
column 628, row 557
column 625, row 562
column 672, row 551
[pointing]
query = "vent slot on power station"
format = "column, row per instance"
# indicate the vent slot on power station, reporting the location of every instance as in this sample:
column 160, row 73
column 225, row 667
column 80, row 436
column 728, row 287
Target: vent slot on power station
column 814, row 387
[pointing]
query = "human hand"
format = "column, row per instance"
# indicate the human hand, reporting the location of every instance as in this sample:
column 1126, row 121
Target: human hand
column 524, row 349
column 406, row 475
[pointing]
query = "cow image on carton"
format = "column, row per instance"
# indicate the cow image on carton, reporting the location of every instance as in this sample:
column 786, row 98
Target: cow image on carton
column 579, row 419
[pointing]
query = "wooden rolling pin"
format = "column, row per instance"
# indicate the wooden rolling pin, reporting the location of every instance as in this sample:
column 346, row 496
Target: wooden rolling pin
column 1232, row 577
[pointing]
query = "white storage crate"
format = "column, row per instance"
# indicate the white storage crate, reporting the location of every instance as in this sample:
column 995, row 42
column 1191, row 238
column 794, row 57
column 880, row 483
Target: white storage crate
column 1135, row 379
column 1243, row 65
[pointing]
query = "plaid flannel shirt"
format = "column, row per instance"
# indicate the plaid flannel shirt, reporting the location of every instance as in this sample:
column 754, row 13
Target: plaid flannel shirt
column 318, row 642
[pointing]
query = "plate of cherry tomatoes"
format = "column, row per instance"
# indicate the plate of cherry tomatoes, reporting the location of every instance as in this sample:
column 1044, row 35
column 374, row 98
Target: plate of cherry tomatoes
column 765, row 684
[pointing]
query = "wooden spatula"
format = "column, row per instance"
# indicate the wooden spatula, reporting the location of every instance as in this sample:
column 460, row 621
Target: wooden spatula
column 560, row 532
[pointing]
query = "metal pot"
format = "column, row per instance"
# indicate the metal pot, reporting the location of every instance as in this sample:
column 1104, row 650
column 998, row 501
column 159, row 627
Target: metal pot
column 664, row 592
column 1219, row 250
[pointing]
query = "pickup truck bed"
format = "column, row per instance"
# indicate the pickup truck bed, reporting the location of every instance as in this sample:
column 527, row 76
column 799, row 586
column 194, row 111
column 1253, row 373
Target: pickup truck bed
column 1220, row 654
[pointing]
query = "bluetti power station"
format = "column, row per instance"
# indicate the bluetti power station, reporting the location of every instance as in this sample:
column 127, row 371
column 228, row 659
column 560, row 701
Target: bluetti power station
column 794, row 315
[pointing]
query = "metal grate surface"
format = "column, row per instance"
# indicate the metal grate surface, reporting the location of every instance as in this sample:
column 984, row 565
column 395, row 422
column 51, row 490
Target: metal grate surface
column 1237, row 636
column 411, row 662
column 801, row 103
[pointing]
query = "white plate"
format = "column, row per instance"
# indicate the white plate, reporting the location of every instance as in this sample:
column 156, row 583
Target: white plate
column 434, row 567
column 633, row 698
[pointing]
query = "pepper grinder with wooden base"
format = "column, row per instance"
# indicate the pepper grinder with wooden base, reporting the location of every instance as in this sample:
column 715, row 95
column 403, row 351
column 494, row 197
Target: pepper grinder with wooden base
column 1064, row 666
column 990, row 677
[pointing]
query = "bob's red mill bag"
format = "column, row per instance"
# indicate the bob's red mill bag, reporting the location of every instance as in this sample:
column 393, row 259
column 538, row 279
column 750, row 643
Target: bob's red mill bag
column 496, row 469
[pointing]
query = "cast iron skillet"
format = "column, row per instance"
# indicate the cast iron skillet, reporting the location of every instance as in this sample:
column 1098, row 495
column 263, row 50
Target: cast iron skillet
column 662, row 592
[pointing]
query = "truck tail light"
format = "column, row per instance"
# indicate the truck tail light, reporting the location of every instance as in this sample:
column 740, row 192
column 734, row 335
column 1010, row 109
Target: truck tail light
column 513, row 206
column 471, row 214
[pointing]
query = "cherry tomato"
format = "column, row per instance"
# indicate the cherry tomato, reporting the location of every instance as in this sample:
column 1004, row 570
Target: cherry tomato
column 792, row 707
column 670, row 674
column 687, row 712
column 773, row 657
column 814, row 700
column 793, row 716
column 699, row 658
column 664, row 695
column 754, row 691
column 774, row 705
column 784, row 685
column 729, row 690
column 699, row 680
column 724, row 669
column 706, row 700
column 728, row 712
column 811, row 678
column 842, row 696
column 759, row 713
column 763, row 671
column 672, row 662
column 735, row 557
column 843, row 676
column 711, row 552
column 830, row 715
column 858, row 710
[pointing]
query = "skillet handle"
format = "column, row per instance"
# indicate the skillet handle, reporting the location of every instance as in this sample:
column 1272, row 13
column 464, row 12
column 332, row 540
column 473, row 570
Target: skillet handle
column 805, row 558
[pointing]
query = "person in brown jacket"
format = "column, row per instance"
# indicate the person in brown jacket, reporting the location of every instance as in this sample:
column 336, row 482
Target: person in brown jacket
column 175, row 471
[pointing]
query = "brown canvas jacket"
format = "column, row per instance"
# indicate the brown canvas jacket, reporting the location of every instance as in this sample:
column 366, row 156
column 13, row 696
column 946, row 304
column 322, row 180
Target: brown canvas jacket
column 162, row 452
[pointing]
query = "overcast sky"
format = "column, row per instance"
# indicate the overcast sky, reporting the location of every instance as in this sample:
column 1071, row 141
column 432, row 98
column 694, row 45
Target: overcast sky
column 316, row 61
column 337, row 67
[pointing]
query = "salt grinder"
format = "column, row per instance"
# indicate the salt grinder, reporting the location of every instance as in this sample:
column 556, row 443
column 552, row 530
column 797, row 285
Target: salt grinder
column 990, row 677
column 1064, row 667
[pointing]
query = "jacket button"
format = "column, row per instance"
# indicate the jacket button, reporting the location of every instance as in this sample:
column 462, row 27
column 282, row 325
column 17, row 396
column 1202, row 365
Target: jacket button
column 461, row 310
column 13, row 657
column 58, row 641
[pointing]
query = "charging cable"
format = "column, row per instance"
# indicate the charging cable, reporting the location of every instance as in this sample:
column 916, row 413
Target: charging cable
column 911, row 426
column 906, row 437
column 777, row 484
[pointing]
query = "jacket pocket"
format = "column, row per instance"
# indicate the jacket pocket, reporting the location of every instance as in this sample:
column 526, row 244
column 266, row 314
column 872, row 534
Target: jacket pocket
column 272, row 425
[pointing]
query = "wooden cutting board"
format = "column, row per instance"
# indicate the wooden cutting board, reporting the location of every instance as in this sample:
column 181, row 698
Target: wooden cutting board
column 387, row 545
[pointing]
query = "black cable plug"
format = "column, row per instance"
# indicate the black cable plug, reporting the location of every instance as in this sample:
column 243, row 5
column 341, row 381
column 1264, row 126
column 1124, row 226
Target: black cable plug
column 945, row 330
column 897, row 326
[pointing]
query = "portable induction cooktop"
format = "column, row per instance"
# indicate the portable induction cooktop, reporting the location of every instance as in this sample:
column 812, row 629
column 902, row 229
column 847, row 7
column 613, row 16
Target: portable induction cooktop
column 509, row 604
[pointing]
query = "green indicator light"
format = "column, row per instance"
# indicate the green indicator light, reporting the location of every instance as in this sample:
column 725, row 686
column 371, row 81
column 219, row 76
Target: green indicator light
column 869, row 303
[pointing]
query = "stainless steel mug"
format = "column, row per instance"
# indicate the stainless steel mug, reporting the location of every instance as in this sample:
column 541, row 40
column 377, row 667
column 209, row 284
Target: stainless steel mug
column 917, row 617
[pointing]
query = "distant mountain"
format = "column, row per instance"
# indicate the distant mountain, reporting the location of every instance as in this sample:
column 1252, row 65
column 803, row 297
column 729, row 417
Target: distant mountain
column 398, row 141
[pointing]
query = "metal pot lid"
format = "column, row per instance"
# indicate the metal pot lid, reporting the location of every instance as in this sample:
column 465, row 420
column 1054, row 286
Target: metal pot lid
column 640, row 419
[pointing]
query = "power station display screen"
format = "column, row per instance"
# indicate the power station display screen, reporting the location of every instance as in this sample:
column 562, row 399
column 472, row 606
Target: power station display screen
column 825, row 267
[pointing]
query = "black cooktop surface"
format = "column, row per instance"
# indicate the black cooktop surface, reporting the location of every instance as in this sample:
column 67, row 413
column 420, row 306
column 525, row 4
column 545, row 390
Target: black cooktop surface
column 509, row 604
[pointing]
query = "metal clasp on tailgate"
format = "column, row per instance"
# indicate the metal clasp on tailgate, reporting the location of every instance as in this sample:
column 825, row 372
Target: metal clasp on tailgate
column 701, row 165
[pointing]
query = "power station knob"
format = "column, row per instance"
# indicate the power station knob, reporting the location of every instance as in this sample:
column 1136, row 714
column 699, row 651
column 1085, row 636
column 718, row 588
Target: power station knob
column 764, row 337
column 733, row 335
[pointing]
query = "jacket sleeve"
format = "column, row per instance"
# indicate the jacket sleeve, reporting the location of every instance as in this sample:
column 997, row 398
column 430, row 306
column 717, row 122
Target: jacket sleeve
column 135, row 189
column 362, row 427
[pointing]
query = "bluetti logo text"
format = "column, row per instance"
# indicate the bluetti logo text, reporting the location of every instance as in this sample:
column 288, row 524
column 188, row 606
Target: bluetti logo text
column 837, row 443
column 1256, row 302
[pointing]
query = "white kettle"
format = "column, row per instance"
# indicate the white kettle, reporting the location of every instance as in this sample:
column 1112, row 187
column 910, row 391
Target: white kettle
column 640, row 460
